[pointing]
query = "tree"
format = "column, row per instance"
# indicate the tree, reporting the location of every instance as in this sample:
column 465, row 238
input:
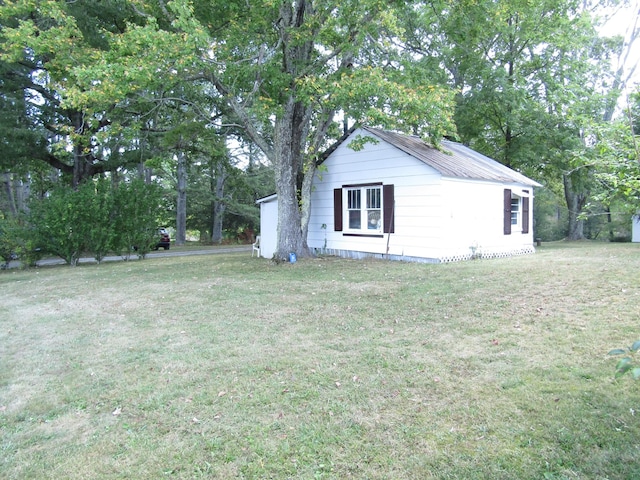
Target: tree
column 617, row 150
column 531, row 76
column 221, row 198
column 41, row 43
column 284, row 69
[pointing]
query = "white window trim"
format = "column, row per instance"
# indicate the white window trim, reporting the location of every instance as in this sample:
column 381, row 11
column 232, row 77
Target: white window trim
column 364, row 216
column 517, row 225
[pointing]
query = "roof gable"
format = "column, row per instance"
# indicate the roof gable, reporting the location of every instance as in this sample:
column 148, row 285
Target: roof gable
column 268, row 198
column 455, row 160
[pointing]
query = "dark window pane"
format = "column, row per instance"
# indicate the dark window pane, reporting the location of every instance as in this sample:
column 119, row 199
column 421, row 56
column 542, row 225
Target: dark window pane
column 354, row 218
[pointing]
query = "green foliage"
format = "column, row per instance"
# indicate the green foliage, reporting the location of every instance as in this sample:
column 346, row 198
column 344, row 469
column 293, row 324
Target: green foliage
column 549, row 216
column 533, row 81
column 242, row 211
column 45, row 99
column 102, row 233
column 628, row 362
column 9, row 238
column 59, row 223
column 17, row 241
column 135, row 216
column 123, row 82
column 95, row 218
column 618, row 160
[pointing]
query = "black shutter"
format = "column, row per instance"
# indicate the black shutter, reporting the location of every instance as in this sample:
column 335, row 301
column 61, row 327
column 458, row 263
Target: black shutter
column 388, row 207
column 337, row 209
column 525, row 214
column 507, row 211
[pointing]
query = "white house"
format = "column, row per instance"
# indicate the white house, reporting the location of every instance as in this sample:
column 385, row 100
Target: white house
column 402, row 199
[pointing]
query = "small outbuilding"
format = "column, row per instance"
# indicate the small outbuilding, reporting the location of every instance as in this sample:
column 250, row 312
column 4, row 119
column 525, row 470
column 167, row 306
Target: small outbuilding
column 268, row 225
column 400, row 198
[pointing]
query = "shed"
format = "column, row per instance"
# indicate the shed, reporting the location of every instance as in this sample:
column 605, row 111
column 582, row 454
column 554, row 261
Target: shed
column 268, row 225
column 403, row 199
column 635, row 228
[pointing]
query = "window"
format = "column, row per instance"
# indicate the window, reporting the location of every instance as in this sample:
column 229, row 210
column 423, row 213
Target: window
column 365, row 217
column 365, row 209
column 374, row 208
column 353, row 207
column 515, row 208
column 516, row 211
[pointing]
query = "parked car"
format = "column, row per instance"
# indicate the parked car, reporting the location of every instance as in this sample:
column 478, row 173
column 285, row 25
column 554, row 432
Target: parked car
column 165, row 239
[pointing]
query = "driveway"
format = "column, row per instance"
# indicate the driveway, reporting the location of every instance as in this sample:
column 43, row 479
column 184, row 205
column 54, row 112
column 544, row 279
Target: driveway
column 158, row 254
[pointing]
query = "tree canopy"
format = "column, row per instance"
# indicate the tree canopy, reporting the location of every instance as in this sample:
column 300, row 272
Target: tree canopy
column 116, row 86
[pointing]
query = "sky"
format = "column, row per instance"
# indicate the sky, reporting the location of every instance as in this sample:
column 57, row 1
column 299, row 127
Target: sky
column 622, row 23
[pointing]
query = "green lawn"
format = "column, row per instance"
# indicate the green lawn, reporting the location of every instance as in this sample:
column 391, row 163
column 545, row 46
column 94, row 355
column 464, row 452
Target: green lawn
column 225, row 366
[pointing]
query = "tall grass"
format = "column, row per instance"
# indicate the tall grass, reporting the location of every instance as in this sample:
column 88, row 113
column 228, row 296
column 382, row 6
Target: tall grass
column 231, row 367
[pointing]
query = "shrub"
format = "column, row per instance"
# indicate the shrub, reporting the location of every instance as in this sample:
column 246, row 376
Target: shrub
column 9, row 241
column 100, row 212
column 96, row 218
column 59, row 223
column 135, row 219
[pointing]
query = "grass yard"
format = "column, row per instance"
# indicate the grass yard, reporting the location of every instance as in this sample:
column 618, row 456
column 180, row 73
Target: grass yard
column 225, row 366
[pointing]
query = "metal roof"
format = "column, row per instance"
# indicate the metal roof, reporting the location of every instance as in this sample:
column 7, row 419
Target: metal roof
column 454, row 159
column 268, row 198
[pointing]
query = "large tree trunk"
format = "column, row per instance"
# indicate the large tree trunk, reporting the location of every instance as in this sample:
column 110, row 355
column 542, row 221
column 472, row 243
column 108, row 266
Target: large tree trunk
column 82, row 167
column 575, row 203
column 288, row 152
column 181, row 203
column 81, row 170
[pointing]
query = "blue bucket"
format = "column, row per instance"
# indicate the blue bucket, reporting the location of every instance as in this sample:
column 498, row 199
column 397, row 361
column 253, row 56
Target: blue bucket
column 292, row 257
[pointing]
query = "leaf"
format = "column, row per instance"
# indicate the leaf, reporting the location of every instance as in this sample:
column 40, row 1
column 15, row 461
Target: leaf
column 623, row 366
column 635, row 372
column 617, row 351
column 636, row 346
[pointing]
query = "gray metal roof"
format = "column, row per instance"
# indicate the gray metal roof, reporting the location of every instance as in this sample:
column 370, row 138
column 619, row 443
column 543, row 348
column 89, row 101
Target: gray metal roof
column 454, row 159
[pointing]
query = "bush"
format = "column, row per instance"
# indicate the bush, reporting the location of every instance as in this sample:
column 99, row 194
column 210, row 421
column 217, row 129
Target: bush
column 17, row 242
column 59, row 223
column 96, row 218
column 550, row 216
column 9, row 239
column 100, row 210
column 135, row 219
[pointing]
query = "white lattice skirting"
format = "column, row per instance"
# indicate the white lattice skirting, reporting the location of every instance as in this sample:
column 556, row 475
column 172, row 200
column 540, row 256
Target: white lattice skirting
column 488, row 255
column 446, row 259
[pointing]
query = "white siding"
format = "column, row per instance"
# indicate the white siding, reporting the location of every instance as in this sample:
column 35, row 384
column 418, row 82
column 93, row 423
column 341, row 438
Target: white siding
column 474, row 222
column 417, row 201
column 268, row 226
column 436, row 218
column 635, row 228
